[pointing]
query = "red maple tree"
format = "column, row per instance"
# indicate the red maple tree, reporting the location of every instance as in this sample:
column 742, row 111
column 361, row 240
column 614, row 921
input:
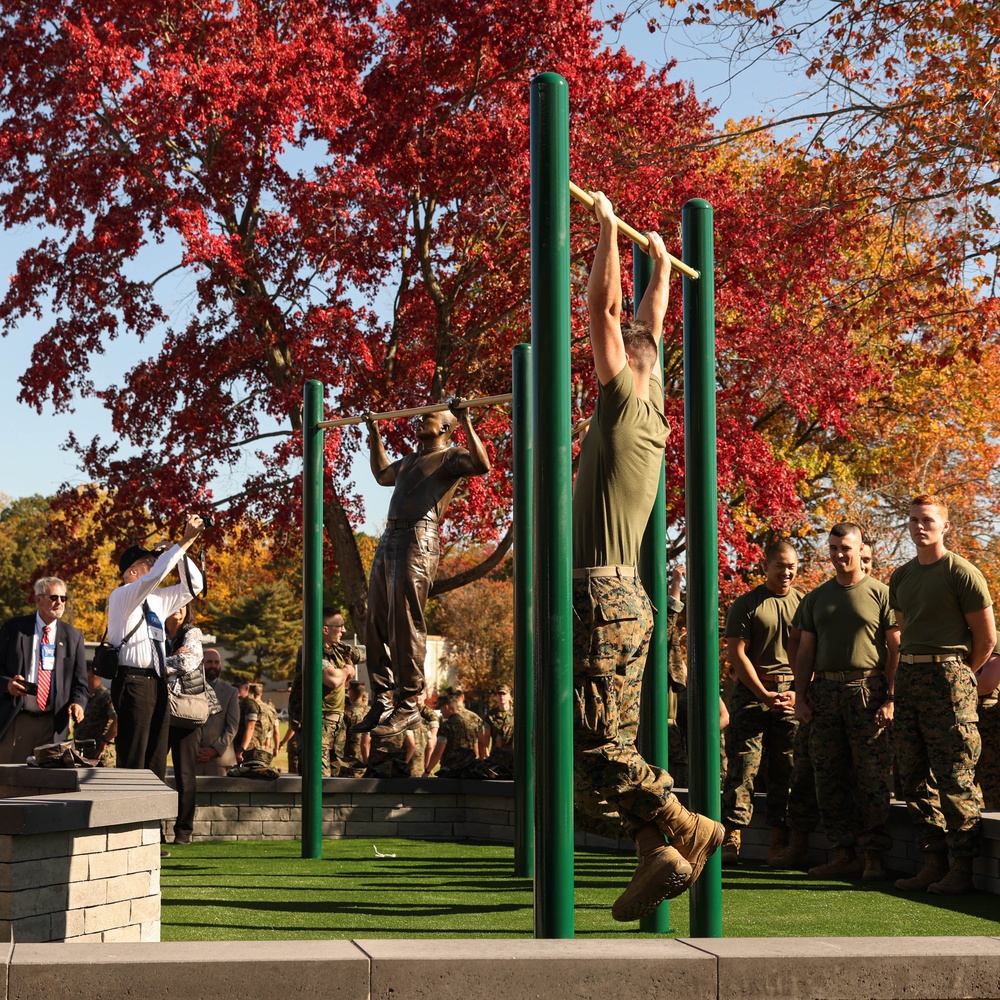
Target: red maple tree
column 346, row 192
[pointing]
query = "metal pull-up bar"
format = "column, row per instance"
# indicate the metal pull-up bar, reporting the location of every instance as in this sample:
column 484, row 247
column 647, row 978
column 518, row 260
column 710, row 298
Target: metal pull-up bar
column 584, row 198
column 417, row 411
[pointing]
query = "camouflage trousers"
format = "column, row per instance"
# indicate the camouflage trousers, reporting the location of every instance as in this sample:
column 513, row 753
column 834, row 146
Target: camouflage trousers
column 677, row 754
column 328, row 752
column 851, row 756
column 612, row 624
column 753, row 731
column 803, row 812
column 988, row 769
column 935, row 733
column 459, row 763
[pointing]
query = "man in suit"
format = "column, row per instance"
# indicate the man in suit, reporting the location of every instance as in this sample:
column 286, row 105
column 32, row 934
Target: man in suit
column 44, row 675
column 215, row 742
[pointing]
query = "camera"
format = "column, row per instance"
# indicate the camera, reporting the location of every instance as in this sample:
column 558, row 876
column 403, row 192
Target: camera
column 30, row 687
column 208, row 521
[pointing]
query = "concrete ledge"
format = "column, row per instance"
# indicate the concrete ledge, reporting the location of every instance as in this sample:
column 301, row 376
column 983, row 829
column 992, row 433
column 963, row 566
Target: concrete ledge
column 849, row 968
column 78, row 798
column 517, row 969
column 528, row 969
column 228, row 970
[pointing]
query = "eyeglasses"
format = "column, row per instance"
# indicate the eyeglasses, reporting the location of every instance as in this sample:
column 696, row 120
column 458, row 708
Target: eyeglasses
column 57, row 598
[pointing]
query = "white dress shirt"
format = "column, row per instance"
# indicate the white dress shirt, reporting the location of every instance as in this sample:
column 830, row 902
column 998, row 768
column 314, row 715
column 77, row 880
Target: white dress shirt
column 145, row 649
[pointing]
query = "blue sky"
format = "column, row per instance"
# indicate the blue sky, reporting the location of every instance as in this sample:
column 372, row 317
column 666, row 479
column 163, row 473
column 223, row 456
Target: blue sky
column 33, row 459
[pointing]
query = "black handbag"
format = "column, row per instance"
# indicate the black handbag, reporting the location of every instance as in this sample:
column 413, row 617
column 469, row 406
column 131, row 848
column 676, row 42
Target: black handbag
column 106, row 654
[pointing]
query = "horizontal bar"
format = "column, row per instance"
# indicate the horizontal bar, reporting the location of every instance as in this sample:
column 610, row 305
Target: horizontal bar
column 625, row 229
column 417, row 411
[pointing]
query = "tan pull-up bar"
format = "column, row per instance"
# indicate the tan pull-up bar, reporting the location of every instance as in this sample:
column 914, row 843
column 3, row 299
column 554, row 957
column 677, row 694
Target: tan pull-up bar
column 633, row 234
column 417, row 411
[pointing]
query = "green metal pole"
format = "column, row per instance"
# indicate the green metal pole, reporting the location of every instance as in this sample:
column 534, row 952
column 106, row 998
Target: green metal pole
column 524, row 667
column 654, row 707
column 312, row 620
column 550, row 339
column 702, row 511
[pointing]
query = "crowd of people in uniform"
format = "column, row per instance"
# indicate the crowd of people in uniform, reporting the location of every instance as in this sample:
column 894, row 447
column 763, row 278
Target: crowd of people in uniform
column 450, row 741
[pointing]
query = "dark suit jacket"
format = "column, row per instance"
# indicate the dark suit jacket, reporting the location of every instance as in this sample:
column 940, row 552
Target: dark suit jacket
column 69, row 678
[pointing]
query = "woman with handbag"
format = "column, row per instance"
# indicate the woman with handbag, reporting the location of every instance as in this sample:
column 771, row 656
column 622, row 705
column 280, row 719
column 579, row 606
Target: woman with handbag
column 187, row 690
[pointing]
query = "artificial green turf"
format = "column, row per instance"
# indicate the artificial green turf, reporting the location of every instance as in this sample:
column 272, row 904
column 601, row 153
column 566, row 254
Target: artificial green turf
column 265, row 890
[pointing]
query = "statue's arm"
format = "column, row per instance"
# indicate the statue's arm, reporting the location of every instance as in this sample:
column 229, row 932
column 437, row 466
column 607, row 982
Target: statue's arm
column 383, row 470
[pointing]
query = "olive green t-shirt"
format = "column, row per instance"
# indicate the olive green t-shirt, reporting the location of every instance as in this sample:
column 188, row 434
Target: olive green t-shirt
column 339, row 654
column 763, row 619
column 849, row 624
column 934, row 601
column 619, row 473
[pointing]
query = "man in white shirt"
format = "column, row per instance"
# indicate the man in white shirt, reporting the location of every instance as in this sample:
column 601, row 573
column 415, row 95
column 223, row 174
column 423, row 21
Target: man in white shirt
column 136, row 613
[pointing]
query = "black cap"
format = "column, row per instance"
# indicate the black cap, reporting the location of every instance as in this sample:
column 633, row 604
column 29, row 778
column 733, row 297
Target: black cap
column 132, row 555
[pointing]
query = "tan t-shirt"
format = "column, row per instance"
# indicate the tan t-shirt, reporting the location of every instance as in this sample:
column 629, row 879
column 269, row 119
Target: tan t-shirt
column 849, row 624
column 763, row 619
column 934, row 601
column 618, row 474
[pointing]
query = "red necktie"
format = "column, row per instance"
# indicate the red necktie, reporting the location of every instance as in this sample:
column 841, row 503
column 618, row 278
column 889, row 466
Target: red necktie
column 44, row 676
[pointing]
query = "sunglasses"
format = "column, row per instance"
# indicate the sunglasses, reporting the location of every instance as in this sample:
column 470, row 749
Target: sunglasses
column 57, row 598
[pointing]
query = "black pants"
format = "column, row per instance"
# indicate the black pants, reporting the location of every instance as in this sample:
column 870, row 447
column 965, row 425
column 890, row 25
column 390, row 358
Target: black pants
column 143, row 720
column 184, row 753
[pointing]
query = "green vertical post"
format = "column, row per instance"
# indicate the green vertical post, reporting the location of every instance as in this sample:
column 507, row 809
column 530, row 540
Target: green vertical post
column 524, row 667
column 550, row 341
column 312, row 620
column 654, row 707
column 702, row 511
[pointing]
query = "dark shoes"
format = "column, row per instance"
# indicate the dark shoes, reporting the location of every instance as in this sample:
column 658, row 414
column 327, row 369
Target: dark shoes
column 402, row 718
column 378, row 713
column 182, row 838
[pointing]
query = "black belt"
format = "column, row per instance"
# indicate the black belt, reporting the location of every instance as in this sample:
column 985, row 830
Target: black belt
column 27, row 711
column 141, row 672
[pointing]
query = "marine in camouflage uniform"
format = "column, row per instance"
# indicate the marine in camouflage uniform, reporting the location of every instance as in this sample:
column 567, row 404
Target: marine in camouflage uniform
column 457, row 739
column 98, row 721
column 252, row 709
column 498, row 736
column 945, row 613
column 677, row 751
column 338, row 662
column 761, row 709
column 619, row 467
column 844, row 673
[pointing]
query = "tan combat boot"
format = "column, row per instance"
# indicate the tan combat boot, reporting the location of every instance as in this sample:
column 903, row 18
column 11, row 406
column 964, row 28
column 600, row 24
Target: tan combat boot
column 934, row 870
column 779, row 841
column 843, row 863
column 874, row 869
column 731, row 845
column 795, row 854
column 661, row 874
column 697, row 837
column 957, row 882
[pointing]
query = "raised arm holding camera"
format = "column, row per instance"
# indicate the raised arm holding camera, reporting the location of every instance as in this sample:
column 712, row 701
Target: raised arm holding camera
column 139, row 690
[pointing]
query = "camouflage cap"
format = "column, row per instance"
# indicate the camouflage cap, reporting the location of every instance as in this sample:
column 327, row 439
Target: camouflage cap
column 503, row 689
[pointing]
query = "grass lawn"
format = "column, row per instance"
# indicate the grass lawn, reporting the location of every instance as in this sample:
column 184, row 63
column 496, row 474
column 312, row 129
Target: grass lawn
column 264, row 890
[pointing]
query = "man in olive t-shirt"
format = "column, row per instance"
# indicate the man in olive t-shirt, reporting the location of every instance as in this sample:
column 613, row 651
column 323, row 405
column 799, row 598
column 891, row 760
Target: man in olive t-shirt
column 844, row 674
column 615, row 488
column 947, row 632
column 761, row 719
